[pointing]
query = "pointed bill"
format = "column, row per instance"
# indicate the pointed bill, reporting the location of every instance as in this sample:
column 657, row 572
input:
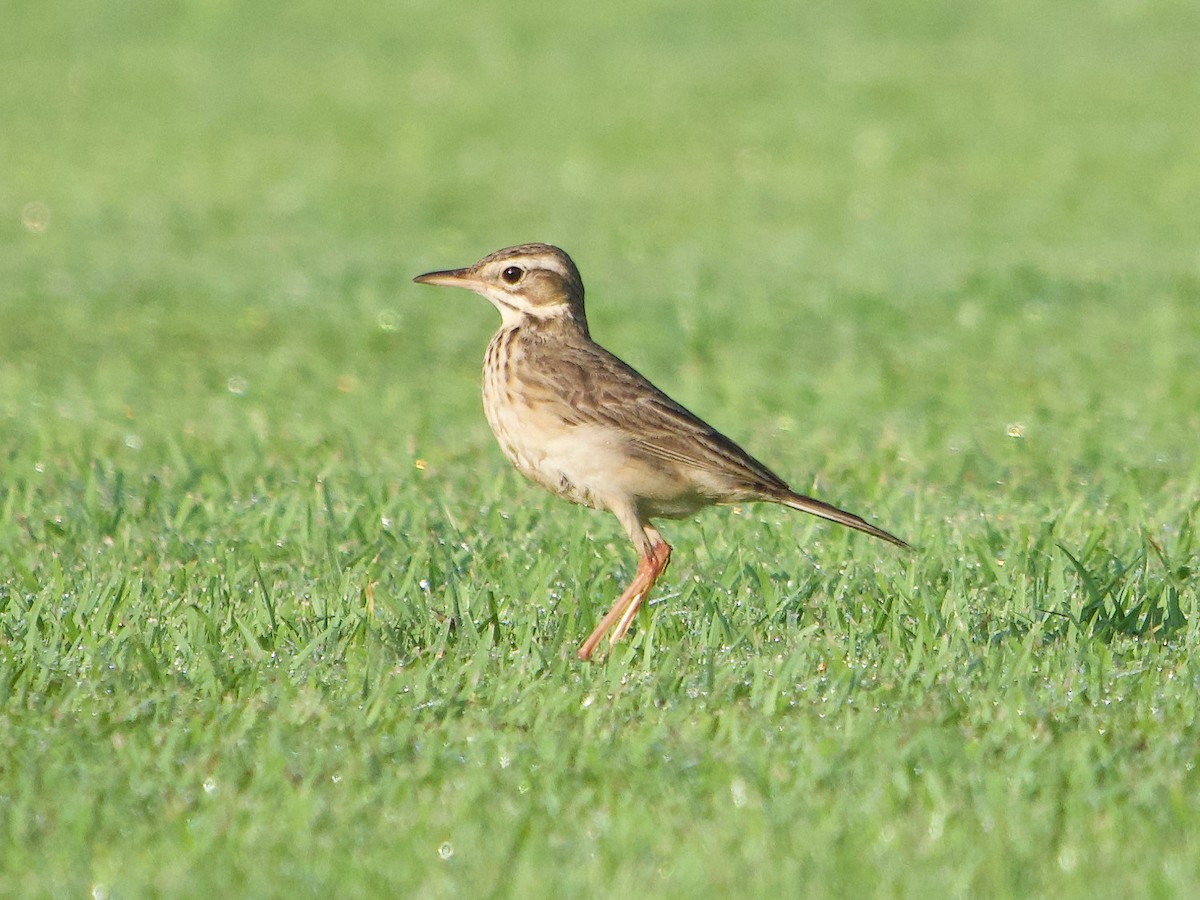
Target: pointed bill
column 462, row 278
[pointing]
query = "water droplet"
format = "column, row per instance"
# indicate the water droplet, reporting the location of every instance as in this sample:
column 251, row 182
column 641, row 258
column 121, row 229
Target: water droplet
column 446, row 850
column 237, row 385
column 210, row 784
column 872, row 147
column 389, row 320
column 937, row 825
column 35, row 217
column 297, row 285
column 968, row 315
column 739, row 792
column 1067, row 858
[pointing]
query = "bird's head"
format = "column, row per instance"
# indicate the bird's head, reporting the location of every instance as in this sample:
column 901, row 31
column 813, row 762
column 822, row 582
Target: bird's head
column 537, row 282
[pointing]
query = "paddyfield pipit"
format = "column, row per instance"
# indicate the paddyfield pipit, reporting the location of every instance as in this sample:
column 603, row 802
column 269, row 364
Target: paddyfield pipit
column 584, row 425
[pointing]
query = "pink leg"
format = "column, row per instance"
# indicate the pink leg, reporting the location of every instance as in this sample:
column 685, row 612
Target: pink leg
column 662, row 558
column 650, row 566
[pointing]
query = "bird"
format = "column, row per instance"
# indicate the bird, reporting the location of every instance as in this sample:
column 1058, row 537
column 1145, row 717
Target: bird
column 577, row 420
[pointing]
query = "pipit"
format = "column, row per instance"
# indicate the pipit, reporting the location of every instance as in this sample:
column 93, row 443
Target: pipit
column 584, row 425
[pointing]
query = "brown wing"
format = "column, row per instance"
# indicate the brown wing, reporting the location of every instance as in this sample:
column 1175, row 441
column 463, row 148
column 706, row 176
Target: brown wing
column 598, row 388
column 590, row 386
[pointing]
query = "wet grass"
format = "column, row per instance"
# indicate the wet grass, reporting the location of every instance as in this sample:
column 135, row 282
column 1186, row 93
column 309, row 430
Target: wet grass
column 275, row 618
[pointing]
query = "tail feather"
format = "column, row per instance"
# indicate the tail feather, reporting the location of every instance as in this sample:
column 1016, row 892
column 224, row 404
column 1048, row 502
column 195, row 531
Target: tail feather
column 833, row 514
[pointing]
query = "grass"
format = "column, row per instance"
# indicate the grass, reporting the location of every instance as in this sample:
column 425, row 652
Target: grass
column 276, row 619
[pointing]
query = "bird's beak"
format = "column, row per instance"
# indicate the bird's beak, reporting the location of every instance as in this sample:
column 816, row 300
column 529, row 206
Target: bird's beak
column 461, row 278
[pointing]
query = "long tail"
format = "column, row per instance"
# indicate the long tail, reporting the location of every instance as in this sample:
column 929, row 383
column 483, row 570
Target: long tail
column 833, row 514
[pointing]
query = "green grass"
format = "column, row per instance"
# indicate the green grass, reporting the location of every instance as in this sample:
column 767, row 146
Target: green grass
column 275, row 617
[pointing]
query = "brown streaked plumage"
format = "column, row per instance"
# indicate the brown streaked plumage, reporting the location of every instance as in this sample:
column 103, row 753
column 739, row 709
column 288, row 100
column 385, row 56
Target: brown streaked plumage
column 584, row 425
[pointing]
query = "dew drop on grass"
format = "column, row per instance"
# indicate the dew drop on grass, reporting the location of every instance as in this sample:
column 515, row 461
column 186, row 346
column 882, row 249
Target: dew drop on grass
column 210, row 785
column 937, row 826
column 739, row 792
column 1067, row 858
column 446, row 850
column 35, row 216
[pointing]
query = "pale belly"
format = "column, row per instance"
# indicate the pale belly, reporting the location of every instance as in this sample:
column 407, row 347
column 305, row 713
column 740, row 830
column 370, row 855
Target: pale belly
column 590, row 464
column 548, row 453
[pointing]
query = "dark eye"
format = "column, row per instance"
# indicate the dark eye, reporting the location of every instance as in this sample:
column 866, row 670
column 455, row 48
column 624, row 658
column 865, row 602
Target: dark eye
column 512, row 274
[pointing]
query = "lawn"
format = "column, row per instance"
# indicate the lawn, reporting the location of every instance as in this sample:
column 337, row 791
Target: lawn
column 277, row 619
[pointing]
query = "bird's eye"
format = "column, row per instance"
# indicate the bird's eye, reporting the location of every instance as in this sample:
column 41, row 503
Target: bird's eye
column 512, row 274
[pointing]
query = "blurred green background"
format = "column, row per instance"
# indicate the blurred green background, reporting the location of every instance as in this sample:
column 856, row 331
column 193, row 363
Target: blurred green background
column 938, row 262
column 217, row 190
